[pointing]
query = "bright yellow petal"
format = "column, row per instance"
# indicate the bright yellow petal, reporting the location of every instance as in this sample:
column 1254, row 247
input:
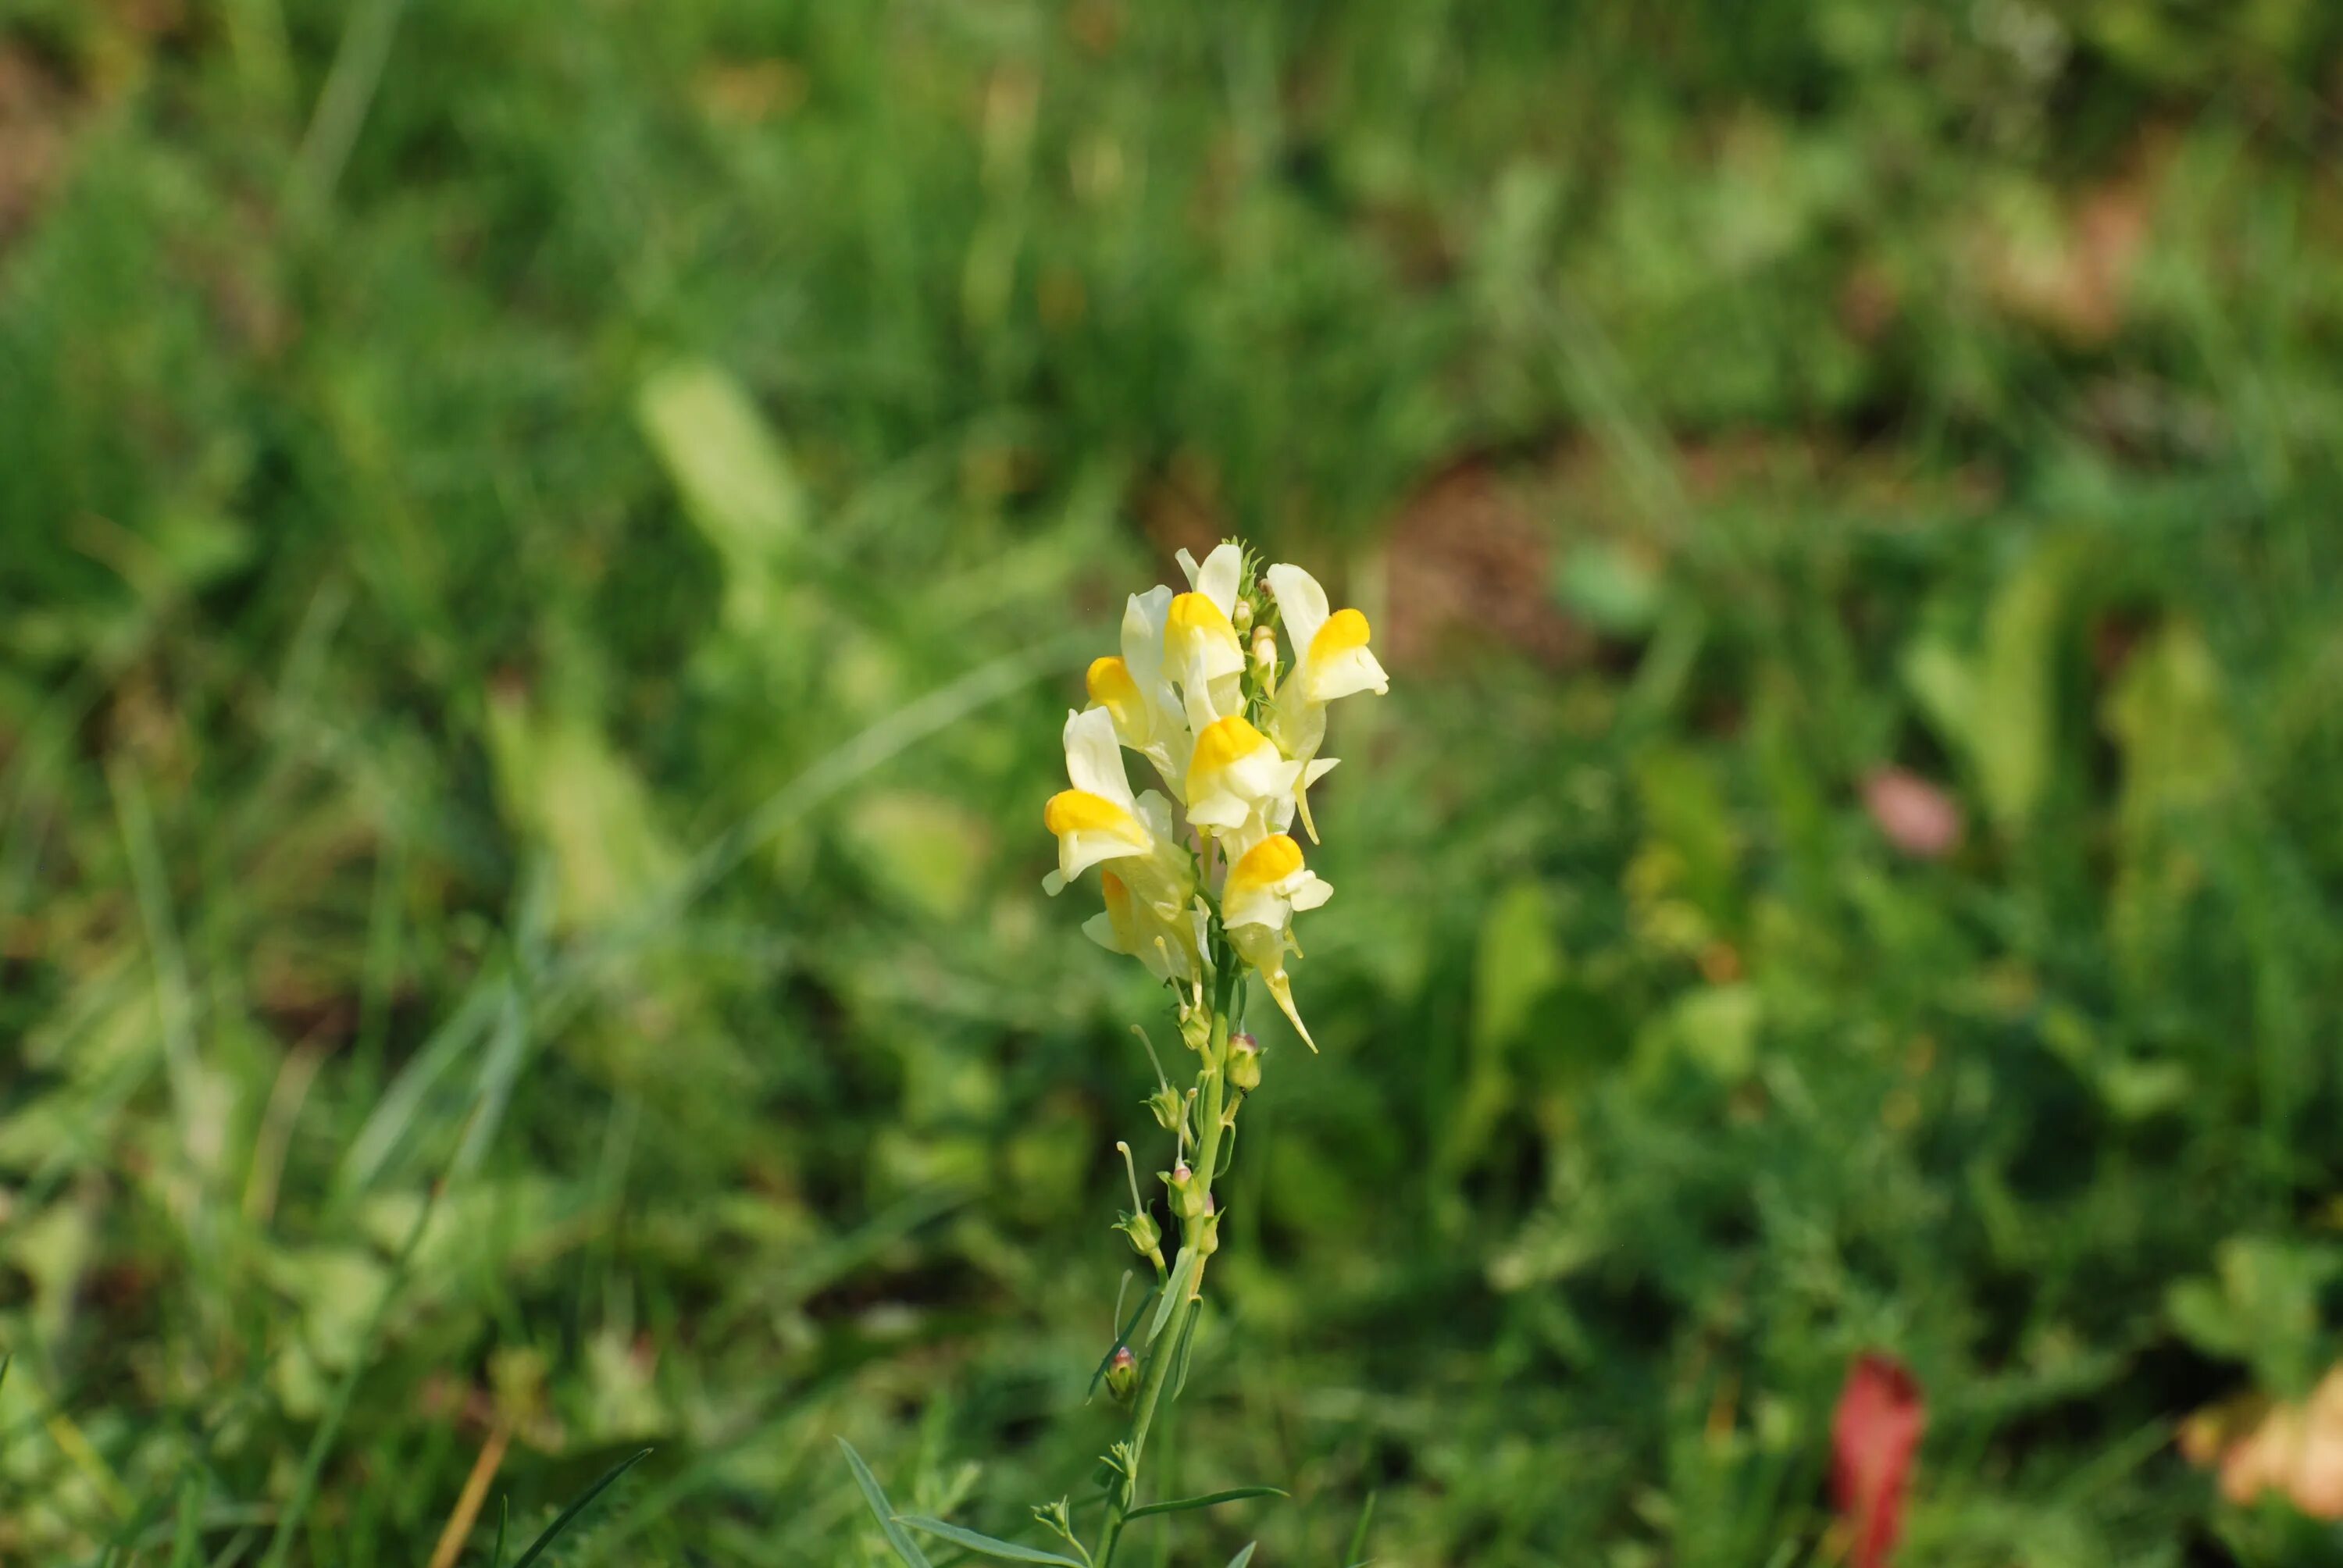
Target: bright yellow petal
column 1230, row 740
column 1077, row 810
column 1264, row 865
column 1344, row 629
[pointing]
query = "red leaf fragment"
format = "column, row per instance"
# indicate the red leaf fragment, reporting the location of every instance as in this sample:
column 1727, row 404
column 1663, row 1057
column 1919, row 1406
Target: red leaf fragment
column 1875, row 1434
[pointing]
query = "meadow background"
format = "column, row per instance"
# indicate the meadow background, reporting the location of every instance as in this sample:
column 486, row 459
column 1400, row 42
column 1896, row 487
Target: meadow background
column 544, row 549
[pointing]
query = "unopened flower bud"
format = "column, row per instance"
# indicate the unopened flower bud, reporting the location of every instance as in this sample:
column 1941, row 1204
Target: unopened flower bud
column 1188, row 1198
column 1241, row 617
column 1244, row 1063
column 1123, row 1375
column 1145, row 1234
column 1208, row 1230
column 1169, row 1109
column 1264, row 654
column 1196, row 1029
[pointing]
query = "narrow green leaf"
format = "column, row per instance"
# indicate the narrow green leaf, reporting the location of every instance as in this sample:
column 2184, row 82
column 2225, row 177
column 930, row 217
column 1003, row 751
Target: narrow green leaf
column 186, row 1537
column 1244, row 1555
column 1182, row 1352
column 984, row 1544
column 1184, row 1273
column 1207, row 1499
column 1356, row 1555
column 883, row 1511
column 563, row 1520
column 504, row 1517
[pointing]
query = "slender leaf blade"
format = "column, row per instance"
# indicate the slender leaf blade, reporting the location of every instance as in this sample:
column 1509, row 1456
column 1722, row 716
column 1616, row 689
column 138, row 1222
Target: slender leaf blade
column 985, row 1546
column 583, row 1501
column 1205, row 1499
column 1184, row 1273
column 1357, row 1554
column 883, row 1511
column 1244, row 1555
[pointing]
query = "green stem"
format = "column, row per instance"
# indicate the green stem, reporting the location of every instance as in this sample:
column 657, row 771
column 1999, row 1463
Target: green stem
column 1215, row 1084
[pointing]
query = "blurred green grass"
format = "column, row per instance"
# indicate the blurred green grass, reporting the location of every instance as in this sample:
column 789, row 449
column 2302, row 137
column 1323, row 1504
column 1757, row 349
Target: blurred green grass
column 543, row 550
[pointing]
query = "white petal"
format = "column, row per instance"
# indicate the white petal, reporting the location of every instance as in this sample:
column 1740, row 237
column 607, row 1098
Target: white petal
column 1052, row 883
column 1221, row 576
column 1154, row 809
column 1187, row 564
column 1095, row 757
column 1318, row 769
column 1301, row 602
column 1099, row 928
column 1354, row 669
column 1314, row 891
column 1084, row 848
column 1142, row 638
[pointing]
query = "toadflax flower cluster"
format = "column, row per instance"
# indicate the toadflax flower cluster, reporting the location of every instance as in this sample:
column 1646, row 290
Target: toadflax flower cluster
column 1206, row 870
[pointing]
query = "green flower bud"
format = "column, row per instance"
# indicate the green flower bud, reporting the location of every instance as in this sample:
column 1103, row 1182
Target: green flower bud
column 1208, row 1231
column 1145, row 1234
column 1123, row 1375
column 1196, row 1029
column 1244, row 1063
column 1241, row 617
column 1168, row 1110
column 1189, row 1197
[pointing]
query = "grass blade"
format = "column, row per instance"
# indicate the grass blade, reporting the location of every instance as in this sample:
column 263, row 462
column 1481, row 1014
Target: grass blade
column 986, row 1545
column 312, row 1463
column 1244, row 1555
column 1206, row 1500
column 883, row 1511
column 1357, row 1554
column 568, row 1515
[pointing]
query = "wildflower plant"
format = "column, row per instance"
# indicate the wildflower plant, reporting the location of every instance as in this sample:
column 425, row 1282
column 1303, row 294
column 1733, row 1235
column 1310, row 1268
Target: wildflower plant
column 1201, row 880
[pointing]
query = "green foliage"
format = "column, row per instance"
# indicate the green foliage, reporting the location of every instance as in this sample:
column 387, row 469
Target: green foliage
column 543, row 553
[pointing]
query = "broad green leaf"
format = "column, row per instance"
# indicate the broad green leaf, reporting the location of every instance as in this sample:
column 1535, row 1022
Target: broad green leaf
column 1614, row 588
column 1716, row 1026
column 568, row 1515
column 881, row 1510
column 2011, row 720
column 561, row 782
column 1207, row 1499
column 984, row 1544
column 735, row 482
column 1518, row 960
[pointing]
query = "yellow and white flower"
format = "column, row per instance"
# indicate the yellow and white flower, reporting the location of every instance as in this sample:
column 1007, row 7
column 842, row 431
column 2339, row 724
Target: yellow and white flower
column 1240, row 785
column 1185, row 693
column 1167, row 942
column 1265, row 888
column 1133, row 690
column 1200, row 651
column 1331, row 660
column 1099, row 820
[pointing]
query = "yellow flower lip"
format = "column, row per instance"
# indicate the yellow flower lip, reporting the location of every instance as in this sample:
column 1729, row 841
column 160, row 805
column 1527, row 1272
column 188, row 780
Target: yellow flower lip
column 1109, row 681
column 1193, row 613
column 1344, row 630
column 1225, row 742
column 1267, row 863
column 1078, row 810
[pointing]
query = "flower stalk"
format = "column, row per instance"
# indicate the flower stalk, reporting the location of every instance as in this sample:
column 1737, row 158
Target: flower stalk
column 1201, row 882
